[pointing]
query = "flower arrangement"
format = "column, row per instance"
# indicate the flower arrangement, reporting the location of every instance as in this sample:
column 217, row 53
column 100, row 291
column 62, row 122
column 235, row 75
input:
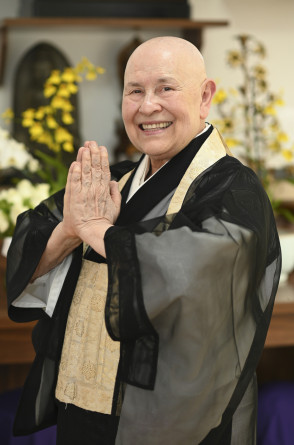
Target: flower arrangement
column 248, row 117
column 16, row 200
column 41, row 173
column 14, row 154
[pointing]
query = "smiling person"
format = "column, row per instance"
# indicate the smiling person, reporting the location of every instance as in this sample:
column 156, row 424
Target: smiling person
column 154, row 281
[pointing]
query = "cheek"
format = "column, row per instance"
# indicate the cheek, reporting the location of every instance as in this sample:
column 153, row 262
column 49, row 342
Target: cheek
column 129, row 109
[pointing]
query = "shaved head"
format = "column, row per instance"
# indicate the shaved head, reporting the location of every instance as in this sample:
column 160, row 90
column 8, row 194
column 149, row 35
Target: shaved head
column 184, row 53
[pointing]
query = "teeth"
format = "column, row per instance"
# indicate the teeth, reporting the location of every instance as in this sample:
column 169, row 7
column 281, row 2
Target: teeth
column 154, row 126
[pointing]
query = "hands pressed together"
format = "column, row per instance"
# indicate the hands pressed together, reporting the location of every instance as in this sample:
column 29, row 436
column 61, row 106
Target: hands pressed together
column 91, row 205
column 91, row 201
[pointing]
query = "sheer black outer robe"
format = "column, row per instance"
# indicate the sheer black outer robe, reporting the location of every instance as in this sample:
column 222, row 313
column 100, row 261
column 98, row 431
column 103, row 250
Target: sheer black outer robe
column 190, row 298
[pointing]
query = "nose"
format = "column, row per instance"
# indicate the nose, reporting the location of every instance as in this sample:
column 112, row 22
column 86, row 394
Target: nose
column 150, row 104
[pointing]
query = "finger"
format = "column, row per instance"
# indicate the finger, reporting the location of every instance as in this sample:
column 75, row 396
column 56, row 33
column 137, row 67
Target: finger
column 80, row 154
column 86, row 177
column 104, row 164
column 66, row 198
column 88, row 144
column 95, row 160
column 76, row 173
column 115, row 193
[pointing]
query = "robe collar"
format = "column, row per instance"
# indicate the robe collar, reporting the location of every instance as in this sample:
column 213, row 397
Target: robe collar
column 159, row 185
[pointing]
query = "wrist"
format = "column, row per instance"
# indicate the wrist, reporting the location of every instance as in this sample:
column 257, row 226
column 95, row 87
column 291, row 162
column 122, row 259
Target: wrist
column 67, row 237
column 92, row 233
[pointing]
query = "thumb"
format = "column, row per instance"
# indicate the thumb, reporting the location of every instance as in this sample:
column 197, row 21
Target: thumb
column 115, row 193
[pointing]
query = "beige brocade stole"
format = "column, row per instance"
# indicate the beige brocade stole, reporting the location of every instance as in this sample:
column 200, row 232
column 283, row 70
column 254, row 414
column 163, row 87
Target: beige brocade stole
column 89, row 360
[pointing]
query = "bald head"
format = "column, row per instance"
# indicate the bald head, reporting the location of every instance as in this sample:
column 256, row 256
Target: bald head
column 173, row 50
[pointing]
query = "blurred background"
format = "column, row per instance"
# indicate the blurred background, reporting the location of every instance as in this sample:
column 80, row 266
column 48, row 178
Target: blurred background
column 269, row 21
column 226, row 32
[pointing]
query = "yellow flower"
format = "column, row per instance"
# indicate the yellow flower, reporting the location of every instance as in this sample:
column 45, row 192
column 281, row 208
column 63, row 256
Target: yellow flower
column 63, row 90
column 279, row 102
column 51, row 122
column 29, row 113
column 67, row 105
column 36, row 130
column 91, row 75
column 67, row 118
column 231, row 142
column 55, row 147
column 270, row 110
column 259, row 49
column 27, row 122
column 68, row 75
column 220, row 96
column 45, row 138
column 282, row 137
column 275, row 146
column 235, row 58
column 85, row 63
column 259, row 72
column 8, row 114
column 55, row 77
column 100, row 70
column 48, row 109
column 62, row 135
column 49, row 90
column 72, row 87
column 40, row 113
column 58, row 102
column 288, row 154
column 68, row 146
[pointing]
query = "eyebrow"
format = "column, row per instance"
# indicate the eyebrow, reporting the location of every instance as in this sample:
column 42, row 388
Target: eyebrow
column 133, row 84
column 160, row 80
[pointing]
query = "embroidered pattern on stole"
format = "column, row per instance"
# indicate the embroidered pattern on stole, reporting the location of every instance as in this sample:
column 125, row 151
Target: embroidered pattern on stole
column 89, row 360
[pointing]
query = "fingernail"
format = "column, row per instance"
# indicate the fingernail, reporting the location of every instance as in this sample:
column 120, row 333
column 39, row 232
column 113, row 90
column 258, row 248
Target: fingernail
column 93, row 144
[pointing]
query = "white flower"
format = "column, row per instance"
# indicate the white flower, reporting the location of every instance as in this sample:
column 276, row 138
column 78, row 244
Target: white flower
column 4, row 224
column 21, row 198
column 33, row 165
column 3, row 134
column 16, row 209
column 41, row 192
column 24, row 188
column 13, row 153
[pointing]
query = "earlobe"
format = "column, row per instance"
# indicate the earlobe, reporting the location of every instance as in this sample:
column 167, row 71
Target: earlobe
column 207, row 95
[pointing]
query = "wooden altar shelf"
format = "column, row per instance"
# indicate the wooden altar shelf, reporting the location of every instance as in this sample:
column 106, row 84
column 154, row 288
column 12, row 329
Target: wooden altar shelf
column 191, row 30
column 16, row 347
column 281, row 331
column 15, row 341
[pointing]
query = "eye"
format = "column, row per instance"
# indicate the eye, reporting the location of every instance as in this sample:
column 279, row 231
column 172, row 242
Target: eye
column 167, row 88
column 137, row 91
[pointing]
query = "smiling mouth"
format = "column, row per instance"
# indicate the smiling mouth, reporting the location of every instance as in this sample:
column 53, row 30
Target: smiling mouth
column 159, row 126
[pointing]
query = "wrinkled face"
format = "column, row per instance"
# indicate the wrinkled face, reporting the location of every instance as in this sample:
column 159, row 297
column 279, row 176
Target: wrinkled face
column 161, row 105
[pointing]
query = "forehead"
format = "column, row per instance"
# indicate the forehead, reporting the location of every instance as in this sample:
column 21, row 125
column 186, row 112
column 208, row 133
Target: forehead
column 159, row 67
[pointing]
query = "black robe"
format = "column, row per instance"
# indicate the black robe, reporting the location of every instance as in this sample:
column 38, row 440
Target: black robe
column 190, row 298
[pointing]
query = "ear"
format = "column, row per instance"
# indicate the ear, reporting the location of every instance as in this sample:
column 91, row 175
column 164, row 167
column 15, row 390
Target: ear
column 208, row 90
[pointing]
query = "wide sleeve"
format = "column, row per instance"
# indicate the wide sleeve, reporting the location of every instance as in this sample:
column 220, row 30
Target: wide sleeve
column 29, row 241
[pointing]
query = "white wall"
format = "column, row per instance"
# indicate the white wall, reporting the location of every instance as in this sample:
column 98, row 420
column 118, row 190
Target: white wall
column 271, row 21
